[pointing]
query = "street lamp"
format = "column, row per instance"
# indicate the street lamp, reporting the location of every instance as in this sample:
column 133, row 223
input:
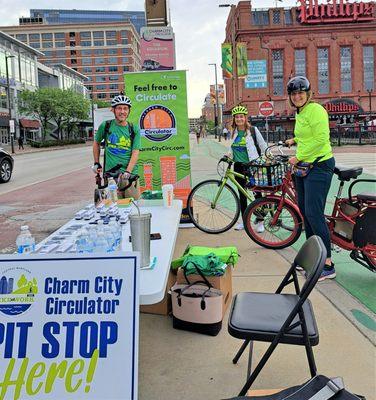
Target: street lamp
column 216, row 120
column 9, row 104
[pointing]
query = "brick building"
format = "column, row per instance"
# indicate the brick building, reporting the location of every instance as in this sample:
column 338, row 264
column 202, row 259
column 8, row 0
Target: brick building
column 334, row 45
column 102, row 52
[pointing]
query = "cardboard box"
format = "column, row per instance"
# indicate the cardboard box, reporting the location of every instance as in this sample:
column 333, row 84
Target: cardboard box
column 223, row 283
column 262, row 392
column 164, row 306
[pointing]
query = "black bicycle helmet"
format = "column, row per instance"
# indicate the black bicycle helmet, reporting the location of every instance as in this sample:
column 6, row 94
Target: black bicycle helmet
column 296, row 83
column 121, row 100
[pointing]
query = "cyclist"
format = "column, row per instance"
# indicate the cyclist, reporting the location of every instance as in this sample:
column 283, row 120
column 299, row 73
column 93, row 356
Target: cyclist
column 122, row 144
column 247, row 146
column 311, row 135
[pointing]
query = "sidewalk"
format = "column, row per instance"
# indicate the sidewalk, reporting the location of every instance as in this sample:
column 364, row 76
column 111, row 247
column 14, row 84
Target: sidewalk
column 28, row 149
column 178, row 364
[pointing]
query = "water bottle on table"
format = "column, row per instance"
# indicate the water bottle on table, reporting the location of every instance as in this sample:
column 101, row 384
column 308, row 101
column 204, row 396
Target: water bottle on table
column 25, row 242
column 112, row 191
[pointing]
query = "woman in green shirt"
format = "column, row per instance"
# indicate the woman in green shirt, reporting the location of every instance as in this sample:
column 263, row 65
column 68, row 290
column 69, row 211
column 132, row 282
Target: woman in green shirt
column 312, row 137
column 244, row 149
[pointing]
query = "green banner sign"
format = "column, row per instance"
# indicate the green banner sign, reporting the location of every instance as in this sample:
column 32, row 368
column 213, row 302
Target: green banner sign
column 159, row 107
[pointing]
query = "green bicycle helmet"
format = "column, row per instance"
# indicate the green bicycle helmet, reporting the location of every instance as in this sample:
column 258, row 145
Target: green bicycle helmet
column 239, row 110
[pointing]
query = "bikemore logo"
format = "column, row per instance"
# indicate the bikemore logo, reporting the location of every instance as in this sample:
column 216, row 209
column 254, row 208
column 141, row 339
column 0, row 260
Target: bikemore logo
column 17, row 291
column 157, row 123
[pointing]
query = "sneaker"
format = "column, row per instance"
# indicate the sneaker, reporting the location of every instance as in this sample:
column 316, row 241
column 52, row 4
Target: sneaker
column 260, row 227
column 327, row 273
column 299, row 268
column 239, row 226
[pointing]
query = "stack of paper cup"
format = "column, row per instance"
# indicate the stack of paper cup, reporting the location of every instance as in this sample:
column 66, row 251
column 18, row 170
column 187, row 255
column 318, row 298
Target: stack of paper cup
column 168, row 195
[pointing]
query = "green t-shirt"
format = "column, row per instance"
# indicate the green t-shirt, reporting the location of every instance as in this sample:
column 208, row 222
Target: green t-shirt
column 119, row 147
column 239, row 148
column 312, row 134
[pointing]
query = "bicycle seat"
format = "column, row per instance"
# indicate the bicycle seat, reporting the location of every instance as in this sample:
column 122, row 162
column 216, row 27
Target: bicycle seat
column 366, row 196
column 346, row 173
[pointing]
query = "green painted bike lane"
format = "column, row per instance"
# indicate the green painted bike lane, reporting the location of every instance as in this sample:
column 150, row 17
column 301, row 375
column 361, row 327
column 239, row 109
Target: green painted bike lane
column 353, row 277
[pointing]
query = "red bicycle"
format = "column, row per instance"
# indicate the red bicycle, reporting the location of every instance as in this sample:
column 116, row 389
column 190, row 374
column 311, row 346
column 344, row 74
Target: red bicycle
column 351, row 224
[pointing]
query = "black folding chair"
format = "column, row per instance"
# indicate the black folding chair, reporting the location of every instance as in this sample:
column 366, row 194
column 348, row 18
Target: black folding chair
column 280, row 318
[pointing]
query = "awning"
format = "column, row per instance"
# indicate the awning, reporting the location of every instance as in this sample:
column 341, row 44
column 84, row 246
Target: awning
column 29, row 123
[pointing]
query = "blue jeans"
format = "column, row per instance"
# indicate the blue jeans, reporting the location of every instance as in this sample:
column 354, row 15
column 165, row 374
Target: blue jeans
column 312, row 193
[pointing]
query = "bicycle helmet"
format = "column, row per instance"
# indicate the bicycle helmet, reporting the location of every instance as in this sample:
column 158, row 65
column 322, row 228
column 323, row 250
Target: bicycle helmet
column 121, row 100
column 296, row 83
column 239, row 110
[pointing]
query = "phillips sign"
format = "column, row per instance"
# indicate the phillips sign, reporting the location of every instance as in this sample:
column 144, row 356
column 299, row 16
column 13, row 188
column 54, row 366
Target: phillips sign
column 311, row 12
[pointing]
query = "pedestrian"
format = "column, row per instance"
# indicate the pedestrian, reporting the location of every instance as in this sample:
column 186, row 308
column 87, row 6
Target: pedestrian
column 225, row 133
column 20, row 143
column 198, row 134
column 248, row 145
column 312, row 137
column 122, row 144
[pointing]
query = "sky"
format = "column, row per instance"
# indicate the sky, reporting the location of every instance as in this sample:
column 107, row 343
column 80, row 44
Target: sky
column 199, row 27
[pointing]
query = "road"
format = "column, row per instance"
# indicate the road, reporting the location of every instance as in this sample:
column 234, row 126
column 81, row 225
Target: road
column 37, row 167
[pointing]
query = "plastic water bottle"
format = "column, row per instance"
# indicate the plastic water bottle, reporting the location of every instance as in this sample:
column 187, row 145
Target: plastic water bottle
column 101, row 244
column 112, row 191
column 25, row 242
column 109, row 237
column 117, row 232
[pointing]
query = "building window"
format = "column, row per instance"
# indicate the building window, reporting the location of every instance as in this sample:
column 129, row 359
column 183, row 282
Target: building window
column 125, row 50
column 47, row 45
column 47, row 53
column 113, row 87
column 288, row 17
column 125, row 68
column 98, row 52
column 124, row 34
column 112, row 52
column 369, row 67
column 111, row 42
column 59, row 35
column 86, row 43
column 276, row 17
column 277, row 69
column 86, row 52
column 60, row 53
column 35, row 45
column 110, row 34
column 101, row 87
column 34, row 37
column 112, row 69
column 21, row 37
column 46, row 36
column 99, row 60
column 98, row 35
column 125, row 60
column 112, row 60
column 113, row 77
column 101, row 95
column 98, row 43
column 86, row 70
column 300, row 62
column 346, row 83
column 124, row 41
column 323, row 70
column 260, row 17
column 100, row 69
column 86, row 61
column 59, row 44
column 85, row 35
column 100, row 78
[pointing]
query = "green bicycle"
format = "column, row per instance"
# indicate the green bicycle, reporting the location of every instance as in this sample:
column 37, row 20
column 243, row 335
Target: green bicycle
column 213, row 205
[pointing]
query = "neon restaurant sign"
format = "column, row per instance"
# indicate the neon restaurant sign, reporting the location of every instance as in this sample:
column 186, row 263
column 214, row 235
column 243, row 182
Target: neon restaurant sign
column 311, row 12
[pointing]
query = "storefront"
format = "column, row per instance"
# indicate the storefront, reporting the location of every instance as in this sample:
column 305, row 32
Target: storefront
column 29, row 129
column 4, row 129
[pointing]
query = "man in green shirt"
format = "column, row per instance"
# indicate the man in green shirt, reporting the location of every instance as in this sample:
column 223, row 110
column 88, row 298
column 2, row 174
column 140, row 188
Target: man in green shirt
column 122, row 141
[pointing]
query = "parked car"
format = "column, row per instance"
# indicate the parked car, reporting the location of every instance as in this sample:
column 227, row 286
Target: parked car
column 6, row 166
column 150, row 65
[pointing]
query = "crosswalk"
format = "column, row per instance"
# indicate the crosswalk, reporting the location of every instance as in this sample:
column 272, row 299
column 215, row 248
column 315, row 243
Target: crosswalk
column 366, row 160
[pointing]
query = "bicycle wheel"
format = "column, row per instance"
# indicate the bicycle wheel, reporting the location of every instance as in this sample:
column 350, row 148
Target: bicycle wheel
column 370, row 258
column 281, row 229
column 212, row 218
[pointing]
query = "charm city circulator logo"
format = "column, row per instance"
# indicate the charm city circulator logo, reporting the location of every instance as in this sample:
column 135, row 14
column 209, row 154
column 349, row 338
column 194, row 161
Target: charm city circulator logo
column 17, row 291
column 157, row 123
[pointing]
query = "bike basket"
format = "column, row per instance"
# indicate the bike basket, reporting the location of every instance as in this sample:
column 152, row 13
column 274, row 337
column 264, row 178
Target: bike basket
column 263, row 174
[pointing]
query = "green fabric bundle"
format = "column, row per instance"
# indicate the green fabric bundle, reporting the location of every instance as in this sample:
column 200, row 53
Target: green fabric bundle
column 209, row 265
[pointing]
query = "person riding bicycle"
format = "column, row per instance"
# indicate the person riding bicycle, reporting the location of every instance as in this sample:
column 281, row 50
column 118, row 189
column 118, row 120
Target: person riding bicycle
column 248, row 145
column 313, row 155
column 121, row 144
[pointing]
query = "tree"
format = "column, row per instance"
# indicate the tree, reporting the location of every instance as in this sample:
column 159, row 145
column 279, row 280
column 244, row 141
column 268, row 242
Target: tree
column 77, row 109
column 37, row 105
column 22, row 281
column 102, row 103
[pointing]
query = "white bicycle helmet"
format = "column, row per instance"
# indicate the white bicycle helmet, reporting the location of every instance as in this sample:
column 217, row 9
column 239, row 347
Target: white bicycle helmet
column 121, row 100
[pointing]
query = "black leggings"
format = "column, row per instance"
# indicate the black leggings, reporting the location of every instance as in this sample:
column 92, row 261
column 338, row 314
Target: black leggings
column 239, row 167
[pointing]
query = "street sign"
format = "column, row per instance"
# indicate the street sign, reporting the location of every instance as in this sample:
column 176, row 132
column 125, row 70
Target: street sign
column 266, row 108
column 12, row 127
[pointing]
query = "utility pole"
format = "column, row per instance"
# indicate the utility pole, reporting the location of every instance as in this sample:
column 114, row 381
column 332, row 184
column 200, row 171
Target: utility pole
column 9, row 103
column 216, row 118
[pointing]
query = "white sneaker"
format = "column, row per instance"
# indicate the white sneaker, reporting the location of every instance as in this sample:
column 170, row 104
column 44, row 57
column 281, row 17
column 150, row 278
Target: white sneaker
column 239, row 226
column 260, row 227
